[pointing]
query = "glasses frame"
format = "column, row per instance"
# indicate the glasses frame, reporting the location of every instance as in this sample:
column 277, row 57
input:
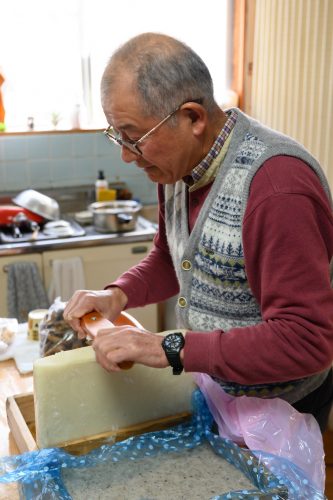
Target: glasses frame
column 133, row 146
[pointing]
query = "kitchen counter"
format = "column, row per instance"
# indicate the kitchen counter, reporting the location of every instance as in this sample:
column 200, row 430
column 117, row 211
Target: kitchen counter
column 144, row 231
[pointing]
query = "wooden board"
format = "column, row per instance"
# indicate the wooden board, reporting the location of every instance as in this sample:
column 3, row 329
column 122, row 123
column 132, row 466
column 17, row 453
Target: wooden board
column 21, row 421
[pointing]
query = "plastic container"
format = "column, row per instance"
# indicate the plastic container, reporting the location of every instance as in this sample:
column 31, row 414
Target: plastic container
column 101, row 185
column 108, row 195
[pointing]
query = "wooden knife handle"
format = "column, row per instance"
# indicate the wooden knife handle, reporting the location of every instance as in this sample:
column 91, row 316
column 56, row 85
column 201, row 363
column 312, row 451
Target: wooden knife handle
column 92, row 323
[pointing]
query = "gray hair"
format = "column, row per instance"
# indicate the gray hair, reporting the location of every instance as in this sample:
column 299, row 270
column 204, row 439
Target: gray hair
column 166, row 73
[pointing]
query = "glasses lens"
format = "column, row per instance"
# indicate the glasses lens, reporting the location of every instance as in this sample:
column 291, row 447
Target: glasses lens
column 113, row 139
column 113, row 136
column 132, row 147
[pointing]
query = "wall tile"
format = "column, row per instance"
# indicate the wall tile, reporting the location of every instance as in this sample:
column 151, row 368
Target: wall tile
column 83, row 145
column 45, row 161
column 2, row 175
column 15, row 148
column 1, row 150
column 142, row 188
column 61, row 145
column 104, row 147
column 62, row 172
column 38, row 146
column 39, row 172
column 113, row 166
column 108, row 165
column 16, row 176
column 85, row 171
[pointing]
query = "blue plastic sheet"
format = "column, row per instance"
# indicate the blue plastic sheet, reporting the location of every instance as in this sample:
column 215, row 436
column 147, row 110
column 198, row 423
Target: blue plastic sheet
column 39, row 473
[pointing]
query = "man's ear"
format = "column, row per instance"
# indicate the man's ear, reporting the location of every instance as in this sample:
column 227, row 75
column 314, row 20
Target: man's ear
column 193, row 115
column 197, row 116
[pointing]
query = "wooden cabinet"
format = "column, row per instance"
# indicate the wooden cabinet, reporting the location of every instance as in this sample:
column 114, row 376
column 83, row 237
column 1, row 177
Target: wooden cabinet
column 102, row 264
column 4, row 262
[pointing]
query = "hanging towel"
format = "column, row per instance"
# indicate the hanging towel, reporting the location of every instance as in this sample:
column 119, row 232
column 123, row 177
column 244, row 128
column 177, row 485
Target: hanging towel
column 67, row 276
column 25, row 290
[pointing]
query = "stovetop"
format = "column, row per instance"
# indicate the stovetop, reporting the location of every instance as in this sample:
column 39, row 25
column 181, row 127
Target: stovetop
column 71, row 229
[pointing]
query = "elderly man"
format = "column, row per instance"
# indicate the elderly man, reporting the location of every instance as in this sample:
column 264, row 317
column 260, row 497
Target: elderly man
column 245, row 236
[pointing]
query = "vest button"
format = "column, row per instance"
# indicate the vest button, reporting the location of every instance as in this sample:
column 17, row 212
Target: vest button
column 182, row 302
column 186, row 265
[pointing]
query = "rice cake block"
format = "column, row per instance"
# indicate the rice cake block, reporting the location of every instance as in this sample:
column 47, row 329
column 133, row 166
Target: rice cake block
column 75, row 397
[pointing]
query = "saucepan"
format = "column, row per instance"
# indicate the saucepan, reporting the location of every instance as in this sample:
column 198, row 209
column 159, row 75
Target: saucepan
column 115, row 216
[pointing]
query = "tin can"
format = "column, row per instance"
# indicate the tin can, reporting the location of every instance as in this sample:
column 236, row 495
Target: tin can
column 35, row 317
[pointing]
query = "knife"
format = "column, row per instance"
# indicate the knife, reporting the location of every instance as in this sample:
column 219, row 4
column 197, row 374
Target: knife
column 92, row 323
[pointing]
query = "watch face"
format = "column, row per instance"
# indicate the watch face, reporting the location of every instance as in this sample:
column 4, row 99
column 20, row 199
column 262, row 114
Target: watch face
column 174, row 341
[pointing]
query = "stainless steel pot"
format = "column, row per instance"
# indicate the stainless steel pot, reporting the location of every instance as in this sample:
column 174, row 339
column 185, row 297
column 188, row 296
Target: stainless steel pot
column 115, row 216
column 38, row 203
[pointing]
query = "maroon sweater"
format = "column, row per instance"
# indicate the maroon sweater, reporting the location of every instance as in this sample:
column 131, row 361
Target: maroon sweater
column 288, row 243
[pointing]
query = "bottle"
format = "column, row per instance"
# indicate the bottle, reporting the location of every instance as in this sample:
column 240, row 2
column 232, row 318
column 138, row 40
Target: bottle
column 101, row 185
column 75, row 118
column 30, row 123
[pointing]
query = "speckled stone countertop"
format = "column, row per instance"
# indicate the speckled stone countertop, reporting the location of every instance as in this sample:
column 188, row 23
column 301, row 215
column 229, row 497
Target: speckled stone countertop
column 197, row 474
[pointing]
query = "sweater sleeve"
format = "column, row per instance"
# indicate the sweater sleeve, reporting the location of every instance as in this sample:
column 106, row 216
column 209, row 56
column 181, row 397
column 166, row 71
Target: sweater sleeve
column 288, row 244
column 154, row 279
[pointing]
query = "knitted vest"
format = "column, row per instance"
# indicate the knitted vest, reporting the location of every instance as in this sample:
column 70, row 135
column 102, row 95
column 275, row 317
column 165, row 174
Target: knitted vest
column 209, row 263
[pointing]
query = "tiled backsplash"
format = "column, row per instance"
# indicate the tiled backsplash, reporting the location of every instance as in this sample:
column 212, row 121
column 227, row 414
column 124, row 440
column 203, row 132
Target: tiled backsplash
column 47, row 161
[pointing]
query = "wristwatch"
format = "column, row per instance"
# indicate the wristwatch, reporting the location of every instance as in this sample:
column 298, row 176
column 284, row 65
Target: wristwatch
column 172, row 345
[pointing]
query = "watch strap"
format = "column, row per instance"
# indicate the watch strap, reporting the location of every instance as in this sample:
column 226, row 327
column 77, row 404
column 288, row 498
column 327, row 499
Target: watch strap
column 175, row 363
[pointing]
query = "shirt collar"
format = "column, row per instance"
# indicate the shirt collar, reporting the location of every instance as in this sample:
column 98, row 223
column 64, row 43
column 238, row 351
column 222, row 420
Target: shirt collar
column 199, row 170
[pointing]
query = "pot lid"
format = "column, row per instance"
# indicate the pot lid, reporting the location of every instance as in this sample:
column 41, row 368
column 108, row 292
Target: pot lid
column 115, row 207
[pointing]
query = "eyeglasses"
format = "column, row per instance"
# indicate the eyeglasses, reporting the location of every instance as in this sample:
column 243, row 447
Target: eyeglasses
column 133, row 146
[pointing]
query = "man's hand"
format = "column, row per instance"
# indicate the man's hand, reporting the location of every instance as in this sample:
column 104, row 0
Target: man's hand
column 109, row 303
column 126, row 343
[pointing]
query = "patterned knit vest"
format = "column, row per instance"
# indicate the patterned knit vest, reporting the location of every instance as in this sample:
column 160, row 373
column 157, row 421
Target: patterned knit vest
column 209, row 263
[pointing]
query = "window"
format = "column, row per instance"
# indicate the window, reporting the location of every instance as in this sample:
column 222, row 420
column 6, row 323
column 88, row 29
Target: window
column 40, row 60
column 55, row 52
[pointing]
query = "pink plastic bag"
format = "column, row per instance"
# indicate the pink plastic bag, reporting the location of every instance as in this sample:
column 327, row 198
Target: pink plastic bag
column 268, row 425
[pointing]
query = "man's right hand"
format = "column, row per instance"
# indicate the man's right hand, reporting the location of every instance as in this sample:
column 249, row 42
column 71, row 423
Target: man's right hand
column 109, row 303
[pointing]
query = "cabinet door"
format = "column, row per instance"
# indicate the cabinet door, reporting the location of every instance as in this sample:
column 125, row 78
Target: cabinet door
column 102, row 265
column 4, row 261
